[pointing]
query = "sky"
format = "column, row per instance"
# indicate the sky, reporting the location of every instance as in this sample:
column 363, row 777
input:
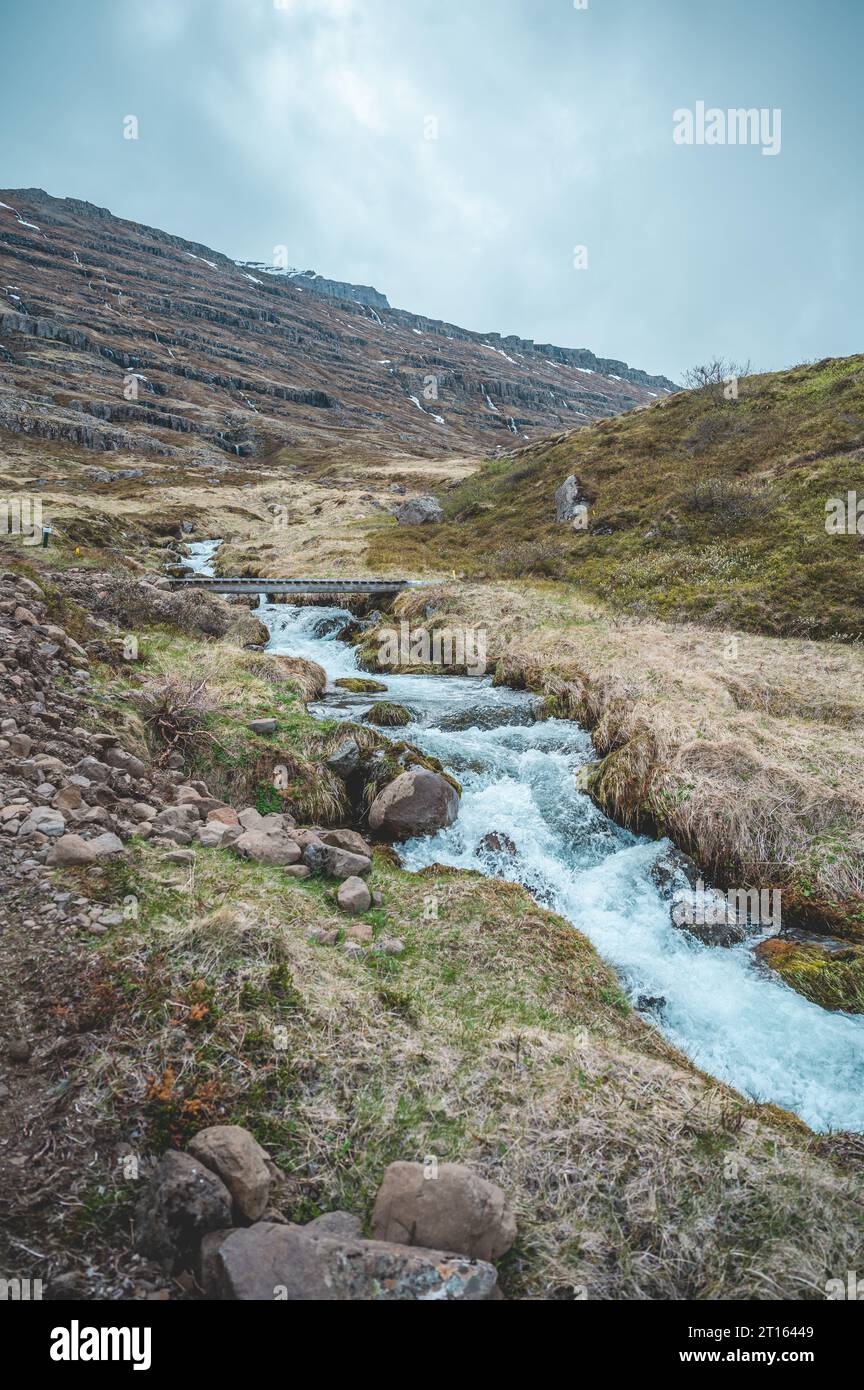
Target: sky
column 506, row 165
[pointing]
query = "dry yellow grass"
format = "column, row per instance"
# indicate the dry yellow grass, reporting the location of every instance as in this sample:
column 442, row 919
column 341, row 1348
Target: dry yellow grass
column 277, row 517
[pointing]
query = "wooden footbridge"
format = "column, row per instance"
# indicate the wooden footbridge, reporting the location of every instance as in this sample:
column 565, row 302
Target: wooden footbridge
column 306, row 587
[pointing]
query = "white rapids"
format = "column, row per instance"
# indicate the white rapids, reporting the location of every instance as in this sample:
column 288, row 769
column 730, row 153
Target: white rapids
column 723, row 1009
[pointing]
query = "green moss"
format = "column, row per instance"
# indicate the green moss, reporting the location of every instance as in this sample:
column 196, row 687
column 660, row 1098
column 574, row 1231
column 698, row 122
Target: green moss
column 831, row 979
column 359, row 686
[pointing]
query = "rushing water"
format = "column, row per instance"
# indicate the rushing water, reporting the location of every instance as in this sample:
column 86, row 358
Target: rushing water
column 721, row 1007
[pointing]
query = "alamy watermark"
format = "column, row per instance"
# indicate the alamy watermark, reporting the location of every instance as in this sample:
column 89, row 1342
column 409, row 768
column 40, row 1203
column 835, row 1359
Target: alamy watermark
column 736, row 126
column 463, row 647
column 701, row 906
column 20, row 1290
column 77, row 1343
column 844, row 516
column 851, row 1288
column 22, row 516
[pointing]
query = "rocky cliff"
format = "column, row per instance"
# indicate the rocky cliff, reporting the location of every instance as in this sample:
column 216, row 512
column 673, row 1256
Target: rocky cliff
column 119, row 336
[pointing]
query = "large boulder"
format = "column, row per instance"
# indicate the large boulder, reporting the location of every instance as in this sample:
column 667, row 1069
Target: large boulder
column 182, row 1202
column 417, row 802
column 239, row 1160
column 420, row 511
column 453, row 1210
column 268, row 1262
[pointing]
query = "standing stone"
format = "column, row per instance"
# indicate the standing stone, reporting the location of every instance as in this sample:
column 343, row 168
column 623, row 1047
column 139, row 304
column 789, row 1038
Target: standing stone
column 569, row 498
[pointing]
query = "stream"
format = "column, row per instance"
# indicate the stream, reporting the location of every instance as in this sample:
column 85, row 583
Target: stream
column 720, row 1006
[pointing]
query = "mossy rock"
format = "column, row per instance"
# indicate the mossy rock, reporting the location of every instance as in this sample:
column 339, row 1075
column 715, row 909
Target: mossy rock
column 834, row 979
column 388, row 716
column 357, row 686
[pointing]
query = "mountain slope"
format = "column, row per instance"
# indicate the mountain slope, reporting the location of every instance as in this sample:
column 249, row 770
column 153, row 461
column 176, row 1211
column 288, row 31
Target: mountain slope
column 699, row 507
column 115, row 335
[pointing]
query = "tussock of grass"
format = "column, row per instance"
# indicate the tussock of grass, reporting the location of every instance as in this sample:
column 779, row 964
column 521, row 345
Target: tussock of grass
column 387, row 715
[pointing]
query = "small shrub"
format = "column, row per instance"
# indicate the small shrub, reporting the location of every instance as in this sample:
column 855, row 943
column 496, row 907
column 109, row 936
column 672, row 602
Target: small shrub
column 175, row 713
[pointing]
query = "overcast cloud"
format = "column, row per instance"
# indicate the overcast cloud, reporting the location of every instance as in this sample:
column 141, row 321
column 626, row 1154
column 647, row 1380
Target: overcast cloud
column 307, row 126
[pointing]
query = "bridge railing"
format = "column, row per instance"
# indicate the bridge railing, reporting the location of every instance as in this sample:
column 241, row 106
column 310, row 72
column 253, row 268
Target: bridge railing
column 261, row 585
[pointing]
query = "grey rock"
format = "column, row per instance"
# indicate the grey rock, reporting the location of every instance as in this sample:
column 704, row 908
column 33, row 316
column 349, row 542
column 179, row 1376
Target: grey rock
column 270, row 1262
column 420, row 511
column 70, row 849
column 262, row 726
column 353, row 896
column 93, row 769
column 345, row 759
column 345, row 839
column 43, row 820
column 417, row 802
column 266, row 847
column 334, row 1223
column 569, row 498
column 183, row 1201
column 239, row 1160
column 106, row 845
column 335, row 863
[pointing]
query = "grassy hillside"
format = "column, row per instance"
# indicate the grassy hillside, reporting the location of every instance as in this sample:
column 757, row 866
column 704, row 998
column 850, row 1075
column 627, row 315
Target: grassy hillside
column 700, row 508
